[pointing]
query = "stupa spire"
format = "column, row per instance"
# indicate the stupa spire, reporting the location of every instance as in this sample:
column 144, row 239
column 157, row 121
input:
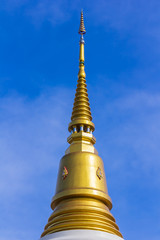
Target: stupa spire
column 81, row 204
column 81, row 114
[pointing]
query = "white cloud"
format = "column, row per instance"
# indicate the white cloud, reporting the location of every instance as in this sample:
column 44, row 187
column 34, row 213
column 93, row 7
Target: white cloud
column 125, row 14
column 31, row 136
column 129, row 134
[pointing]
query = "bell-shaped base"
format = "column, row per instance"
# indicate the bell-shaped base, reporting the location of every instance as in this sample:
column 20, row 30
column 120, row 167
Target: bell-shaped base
column 81, row 200
column 81, row 235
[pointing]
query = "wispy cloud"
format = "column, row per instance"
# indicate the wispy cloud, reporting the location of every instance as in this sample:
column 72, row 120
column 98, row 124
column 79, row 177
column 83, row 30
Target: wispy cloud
column 31, row 134
column 131, row 124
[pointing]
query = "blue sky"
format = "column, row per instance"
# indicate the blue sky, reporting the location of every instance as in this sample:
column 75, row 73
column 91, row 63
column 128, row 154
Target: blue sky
column 38, row 73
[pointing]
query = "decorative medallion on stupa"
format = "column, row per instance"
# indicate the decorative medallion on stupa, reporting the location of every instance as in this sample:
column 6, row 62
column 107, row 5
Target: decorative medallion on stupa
column 81, row 204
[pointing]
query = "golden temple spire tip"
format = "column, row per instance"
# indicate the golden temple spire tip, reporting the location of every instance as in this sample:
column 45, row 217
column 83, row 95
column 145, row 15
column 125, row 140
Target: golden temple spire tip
column 82, row 29
column 81, row 119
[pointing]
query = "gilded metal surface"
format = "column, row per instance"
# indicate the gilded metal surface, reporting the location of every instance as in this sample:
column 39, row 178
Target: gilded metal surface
column 81, row 113
column 82, row 200
column 81, row 146
column 79, row 121
column 82, row 167
column 81, row 213
column 81, row 136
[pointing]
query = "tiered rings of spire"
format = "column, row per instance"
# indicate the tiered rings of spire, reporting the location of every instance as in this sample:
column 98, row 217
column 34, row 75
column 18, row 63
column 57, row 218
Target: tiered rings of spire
column 81, row 115
column 82, row 29
column 81, row 200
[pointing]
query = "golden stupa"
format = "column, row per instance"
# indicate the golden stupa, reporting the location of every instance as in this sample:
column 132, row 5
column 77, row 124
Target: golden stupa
column 81, row 200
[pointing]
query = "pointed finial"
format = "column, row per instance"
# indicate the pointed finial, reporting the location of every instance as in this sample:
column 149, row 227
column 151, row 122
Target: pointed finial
column 82, row 27
column 81, row 119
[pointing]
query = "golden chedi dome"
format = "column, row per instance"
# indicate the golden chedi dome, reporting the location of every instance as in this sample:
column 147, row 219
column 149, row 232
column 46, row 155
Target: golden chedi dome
column 81, row 200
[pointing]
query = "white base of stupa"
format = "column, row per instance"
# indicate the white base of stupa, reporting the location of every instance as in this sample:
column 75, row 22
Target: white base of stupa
column 81, row 235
